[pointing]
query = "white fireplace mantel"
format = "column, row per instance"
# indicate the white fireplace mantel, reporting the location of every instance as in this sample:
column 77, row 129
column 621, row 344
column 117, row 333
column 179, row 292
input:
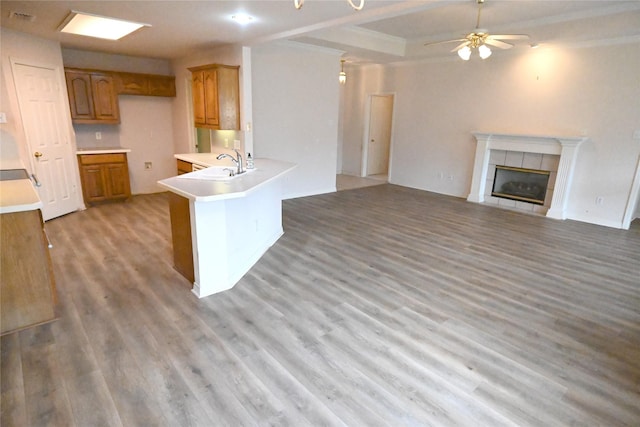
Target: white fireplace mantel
column 565, row 147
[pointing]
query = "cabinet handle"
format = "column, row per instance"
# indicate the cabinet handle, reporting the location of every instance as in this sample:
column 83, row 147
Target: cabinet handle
column 35, row 180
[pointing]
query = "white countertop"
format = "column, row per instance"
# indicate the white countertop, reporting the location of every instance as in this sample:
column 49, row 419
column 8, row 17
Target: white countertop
column 240, row 186
column 18, row 195
column 112, row 150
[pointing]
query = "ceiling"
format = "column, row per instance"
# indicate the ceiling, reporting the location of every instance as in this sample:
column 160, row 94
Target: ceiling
column 384, row 31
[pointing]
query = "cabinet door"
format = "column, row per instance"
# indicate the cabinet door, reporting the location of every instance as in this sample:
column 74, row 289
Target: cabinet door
column 117, row 176
column 179, row 212
column 80, row 95
column 162, row 86
column 132, row 84
column 27, row 286
column 184, row 167
column 211, row 97
column 105, row 99
column 197, row 92
column 94, row 185
column 229, row 98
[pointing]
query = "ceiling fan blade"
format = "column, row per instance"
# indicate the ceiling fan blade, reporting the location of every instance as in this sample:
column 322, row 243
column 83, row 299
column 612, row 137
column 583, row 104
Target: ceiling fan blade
column 460, row 46
column 498, row 43
column 510, row 36
column 444, row 41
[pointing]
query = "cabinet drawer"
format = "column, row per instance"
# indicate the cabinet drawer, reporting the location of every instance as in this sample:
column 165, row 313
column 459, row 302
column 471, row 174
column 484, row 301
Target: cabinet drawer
column 94, row 159
column 184, row 167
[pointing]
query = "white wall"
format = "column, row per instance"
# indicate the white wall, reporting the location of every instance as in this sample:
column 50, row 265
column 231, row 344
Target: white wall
column 585, row 91
column 295, row 113
column 361, row 83
column 107, row 61
column 146, row 128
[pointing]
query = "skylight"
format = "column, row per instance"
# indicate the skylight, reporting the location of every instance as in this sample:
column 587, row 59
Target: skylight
column 86, row 24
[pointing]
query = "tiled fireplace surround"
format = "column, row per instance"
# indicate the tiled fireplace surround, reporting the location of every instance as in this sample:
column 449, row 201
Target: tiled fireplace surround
column 551, row 153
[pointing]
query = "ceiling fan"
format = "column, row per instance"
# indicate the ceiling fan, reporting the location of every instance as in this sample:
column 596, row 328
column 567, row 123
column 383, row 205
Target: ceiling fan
column 480, row 38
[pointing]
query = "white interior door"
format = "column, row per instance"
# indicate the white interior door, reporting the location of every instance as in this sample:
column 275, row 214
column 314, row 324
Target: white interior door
column 381, row 113
column 42, row 107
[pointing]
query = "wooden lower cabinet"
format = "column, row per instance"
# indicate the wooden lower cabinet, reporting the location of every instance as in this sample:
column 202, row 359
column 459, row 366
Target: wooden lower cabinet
column 184, row 167
column 28, row 292
column 181, row 236
column 105, row 177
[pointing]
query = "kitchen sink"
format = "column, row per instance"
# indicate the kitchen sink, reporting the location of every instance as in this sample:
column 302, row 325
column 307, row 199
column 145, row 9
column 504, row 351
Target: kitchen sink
column 216, row 173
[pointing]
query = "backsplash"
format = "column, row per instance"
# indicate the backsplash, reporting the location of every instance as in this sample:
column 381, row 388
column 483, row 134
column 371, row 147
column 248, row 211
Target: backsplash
column 208, row 139
column 86, row 136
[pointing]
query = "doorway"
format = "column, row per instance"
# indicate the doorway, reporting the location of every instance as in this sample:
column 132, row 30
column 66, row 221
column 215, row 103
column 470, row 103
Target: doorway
column 47, row 130
column 376, row 152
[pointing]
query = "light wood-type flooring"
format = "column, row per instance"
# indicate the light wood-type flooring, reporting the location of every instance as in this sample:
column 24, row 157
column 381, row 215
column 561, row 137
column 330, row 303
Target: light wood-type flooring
column 379, row 306
column 350, row 182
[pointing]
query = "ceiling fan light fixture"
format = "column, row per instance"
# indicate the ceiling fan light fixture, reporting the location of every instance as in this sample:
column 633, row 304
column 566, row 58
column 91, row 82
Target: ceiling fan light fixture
column 342, row 77
column 464, row 53
column 299, row 3
column 484, row 51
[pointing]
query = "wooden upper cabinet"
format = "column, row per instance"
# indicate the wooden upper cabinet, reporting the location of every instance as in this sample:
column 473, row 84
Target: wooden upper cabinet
column 105, row 98
column 145, row 84
column 80, row 95
column 211, row 95
column 216, row 96
column 93, row 94
column 92, row 97
column 197, row 93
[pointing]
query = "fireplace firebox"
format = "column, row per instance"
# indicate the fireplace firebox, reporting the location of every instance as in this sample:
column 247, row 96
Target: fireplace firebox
column 526, row 185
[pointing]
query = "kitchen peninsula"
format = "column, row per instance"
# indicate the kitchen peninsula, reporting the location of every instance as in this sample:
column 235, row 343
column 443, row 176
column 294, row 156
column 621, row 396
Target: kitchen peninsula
column 222, row 225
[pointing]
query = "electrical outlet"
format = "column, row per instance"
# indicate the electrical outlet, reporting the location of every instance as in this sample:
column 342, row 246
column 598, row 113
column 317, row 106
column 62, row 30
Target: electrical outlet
column 440, row 175
column 148, row 166
column 98, row 135
column 450, row 177
column 236, row 144
column 3, row 117
column 599, row 200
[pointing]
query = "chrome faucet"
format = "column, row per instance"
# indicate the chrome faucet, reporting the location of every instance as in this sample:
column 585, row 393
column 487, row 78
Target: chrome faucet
column 236, row 161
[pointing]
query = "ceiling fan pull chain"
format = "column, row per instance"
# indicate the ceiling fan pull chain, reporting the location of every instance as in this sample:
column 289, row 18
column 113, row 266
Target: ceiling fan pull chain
column 359, row 7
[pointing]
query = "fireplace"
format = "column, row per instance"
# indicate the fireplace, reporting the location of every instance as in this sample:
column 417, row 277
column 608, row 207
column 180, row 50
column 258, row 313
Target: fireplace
column 525, row 185
column 526, row 147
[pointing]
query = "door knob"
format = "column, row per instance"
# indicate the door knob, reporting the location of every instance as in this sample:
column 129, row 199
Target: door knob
column 37, row 154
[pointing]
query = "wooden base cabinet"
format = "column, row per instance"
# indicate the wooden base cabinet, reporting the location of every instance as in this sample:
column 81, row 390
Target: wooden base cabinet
column 28, row 292
column 184, row 167
column 181, row 236
column 105, row 177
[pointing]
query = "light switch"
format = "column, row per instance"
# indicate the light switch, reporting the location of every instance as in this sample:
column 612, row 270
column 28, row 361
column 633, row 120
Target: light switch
column 3, row 117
